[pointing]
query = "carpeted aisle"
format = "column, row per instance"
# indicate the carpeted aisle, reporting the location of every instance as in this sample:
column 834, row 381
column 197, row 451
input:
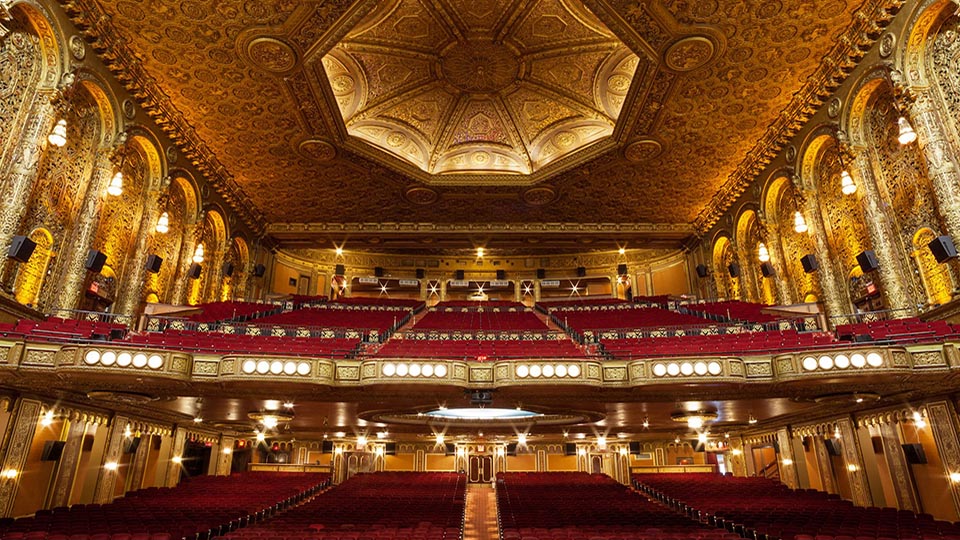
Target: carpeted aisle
column 481, row 513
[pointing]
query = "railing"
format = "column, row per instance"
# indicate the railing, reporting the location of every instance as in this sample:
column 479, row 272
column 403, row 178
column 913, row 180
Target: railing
column 770, row 471
column 94, row 316
column 871, row 316
column 807, row 324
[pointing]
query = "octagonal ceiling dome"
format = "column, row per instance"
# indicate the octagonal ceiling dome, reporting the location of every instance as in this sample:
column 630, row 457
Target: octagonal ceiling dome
column 480, row 87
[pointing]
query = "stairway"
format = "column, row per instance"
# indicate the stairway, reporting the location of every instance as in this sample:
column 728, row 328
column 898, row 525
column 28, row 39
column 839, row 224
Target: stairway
column 480, row 521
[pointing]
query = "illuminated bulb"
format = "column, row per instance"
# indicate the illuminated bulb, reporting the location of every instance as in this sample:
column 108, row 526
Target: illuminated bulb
column 163, row 223
column 954, row 476
column 852, row 468
column 736, row 451
column 379, row 451
column 197, row 420
column 702, row 437
column 127, row 433
column 9, row 474
column 836, row 434
column 694, row 422
column 382, row 434
column 115, row 187
column 787, row 461
column 113, row 465
column 847, row 185
column 227, row 451
column 676, row 440
column 440, row 438
column 907, row 135
column 261, row 437
column 362, row 440
column 762, row 252
column 752, row 420
column 622, row 251
column 288, row 404
column 799, row 224
column 198, row 254
column 646, row 423
column 480, row 252
column 339, row 251
column 522, row 439
column 270, row 421
column 918, row 420
column 47, row 419
column 601, row 441
column 726, row 435
column 339, row 434
column 623, row 450
column 58, row 137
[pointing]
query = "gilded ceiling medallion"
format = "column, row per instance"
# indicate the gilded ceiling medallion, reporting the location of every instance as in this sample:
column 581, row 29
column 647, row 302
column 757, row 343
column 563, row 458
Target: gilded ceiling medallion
column 318, row 150
column 420, row 195
column 642, row 150
column 477, row 66
column 271, row 54
column 689, row 53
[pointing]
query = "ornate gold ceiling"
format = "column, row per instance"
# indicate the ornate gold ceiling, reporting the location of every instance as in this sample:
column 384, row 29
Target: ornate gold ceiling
column 462, row 88
column 718, row 86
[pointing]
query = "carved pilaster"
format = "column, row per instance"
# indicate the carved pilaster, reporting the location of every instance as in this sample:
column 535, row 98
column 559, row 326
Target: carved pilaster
column 214, row 281
column 107, row 477
column 749, row 288
column 898, row 467
column 941, row 160
column 139, row 463
column 892, row 274
column 225, row 459
column 940, row 417
column 788, row 466
column 69, row 461
column 853, row 458
column 132, row 288
column 17, row 442
column 836, row 302
column 781, row 279
column 88, row 219
column 825, row 466
column 176, row 449
column 738, row 465
column 187, row 247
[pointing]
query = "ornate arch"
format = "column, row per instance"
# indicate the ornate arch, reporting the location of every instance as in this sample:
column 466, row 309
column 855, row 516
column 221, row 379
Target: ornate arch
column 183, row 179
column 155, row 159
column 925, row 22
column 107, row 104
column 723, row 256
column 936, row 278
column 53, row 42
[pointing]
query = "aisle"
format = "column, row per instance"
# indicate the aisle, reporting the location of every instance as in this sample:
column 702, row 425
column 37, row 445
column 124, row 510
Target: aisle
column 480, row 522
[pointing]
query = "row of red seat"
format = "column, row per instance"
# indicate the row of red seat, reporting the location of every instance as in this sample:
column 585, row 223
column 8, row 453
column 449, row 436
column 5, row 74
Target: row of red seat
column 568, row 506
column 473, row 349
column 734, row 310
column 480, row 320
column 773, row 510
column 322, row 317
column 900, row 330
column 218, row 343
column 729, row 344
column 384, row 505
column 232, row 311
column 57, row 329
column 196, row 509
column 648, row 317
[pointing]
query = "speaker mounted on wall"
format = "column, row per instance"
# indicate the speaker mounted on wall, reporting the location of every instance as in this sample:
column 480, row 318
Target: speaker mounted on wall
column 621, row 269
column 21, row 248
column 501, row 275
column 340, row 270
column 194, row 271
column 153, row 263
column 227, row 269
column 259, row 270
column 809, row 262
column 541, row 273
column 868, row 261
column 767, row 269
column 702, row 270
column 581, row 271
column 459, row 275
column 943, row 248
column 734, row 270
column 421, row 273
column 378, row 271
column 95, row 260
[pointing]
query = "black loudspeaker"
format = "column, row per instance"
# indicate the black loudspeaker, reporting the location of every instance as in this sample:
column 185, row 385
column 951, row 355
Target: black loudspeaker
column 449, row 449
column 766, row 269
column 581, row 271
column 570, row 449
column 130, row 445
column 512, row 449
column 52, row 450
column 378, row 271
column 153, row 263
column 806, row 444
column 914, row 454
column 868, row 261
column 621, row 269
column 390, row 449
column 833, row 447
column 326, row 447
column 943, row 248
column 776, row 447
column 421, row 273
column 259, row 270
column 21, row 248
column 809, row 262
column 194, row 271
column 227, row 269
column 339, row 270
column 459, row 275
column 635, row 448
column 541, row 273
column 95, row 260
column 702, row 270
column 877, row 444
column 734, row 270
column 501, row 275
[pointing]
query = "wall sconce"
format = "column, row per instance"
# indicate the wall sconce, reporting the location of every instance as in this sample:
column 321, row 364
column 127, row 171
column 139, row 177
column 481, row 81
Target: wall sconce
column 799, row 224
column 762, row 253
column 113, row 465
column 58, row 137
column 163, row 223
column 198, row 254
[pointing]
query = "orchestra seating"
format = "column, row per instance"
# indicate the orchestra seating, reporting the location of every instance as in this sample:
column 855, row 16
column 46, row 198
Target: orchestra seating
column 762, row 508
column 378, row 506
column 197, row 509
column 232, row 311
column 487, row 320
column 744, row 343
column 473, row 349
column 219, row 343
column 577, row 505
column 733, row 310
column 57, row 329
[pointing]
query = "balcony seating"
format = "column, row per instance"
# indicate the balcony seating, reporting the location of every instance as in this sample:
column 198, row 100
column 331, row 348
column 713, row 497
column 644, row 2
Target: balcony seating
column 550, row 306
column 197, row 509
column 217, row 343
column 57, row 329
column 232, row 311
column 487, row 320
column 380, row 302
column 910, row 330
column 633, row 318
column 573, row 506
column 733, row 310
column 378, row 506
column 744, row 343
column 472, row 349
column 321, row 317
column 762, row 508
column 486, row 304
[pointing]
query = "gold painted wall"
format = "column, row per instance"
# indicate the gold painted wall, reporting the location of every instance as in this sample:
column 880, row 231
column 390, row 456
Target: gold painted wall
column 399, row 462
column 439, row 462
column 669, row 280
column 522, row 462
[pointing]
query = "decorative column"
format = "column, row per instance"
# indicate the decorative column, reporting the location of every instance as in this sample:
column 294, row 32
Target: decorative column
column 174, row 467
column 899, row 468
column 884, row 240
column 775, row 248
column 835, row 300
column 214, row 279
column 23, row 173
column 940, row 417
column 749, row 288
column 536, row 290
column 69, row 459
column 942, row 162
column 187, row 246
column 856, row 475
column 738, row 466
column 825, row 465
column 106, row 481
column 225, row 457
column 131, row 292
column 788, row 465
column 16, row 447
column 138, row 464
column 443, row 289
column 81, row 240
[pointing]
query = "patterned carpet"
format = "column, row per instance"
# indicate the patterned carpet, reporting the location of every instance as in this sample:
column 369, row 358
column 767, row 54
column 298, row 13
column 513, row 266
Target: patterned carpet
column 481, row 518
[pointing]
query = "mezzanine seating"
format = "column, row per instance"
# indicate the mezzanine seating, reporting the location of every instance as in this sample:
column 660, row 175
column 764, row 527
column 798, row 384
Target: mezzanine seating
column 910, row 330
column 771, row 510
column 377, row 506
column 232, row 311
column 380, row 302
column 473, row 320
column 629, row 318
column 744, row 343
column 574, row 506
column 732, row 311
column 57, row 329
column 194, row 510
column 218, row 343
column 322, row 317
column 474, row 349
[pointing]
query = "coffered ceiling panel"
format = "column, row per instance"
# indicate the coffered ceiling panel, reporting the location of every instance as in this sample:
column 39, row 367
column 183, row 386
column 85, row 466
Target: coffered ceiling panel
column 654, row 111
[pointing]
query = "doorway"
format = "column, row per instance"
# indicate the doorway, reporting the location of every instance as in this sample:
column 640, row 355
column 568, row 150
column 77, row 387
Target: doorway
column 481, row 469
